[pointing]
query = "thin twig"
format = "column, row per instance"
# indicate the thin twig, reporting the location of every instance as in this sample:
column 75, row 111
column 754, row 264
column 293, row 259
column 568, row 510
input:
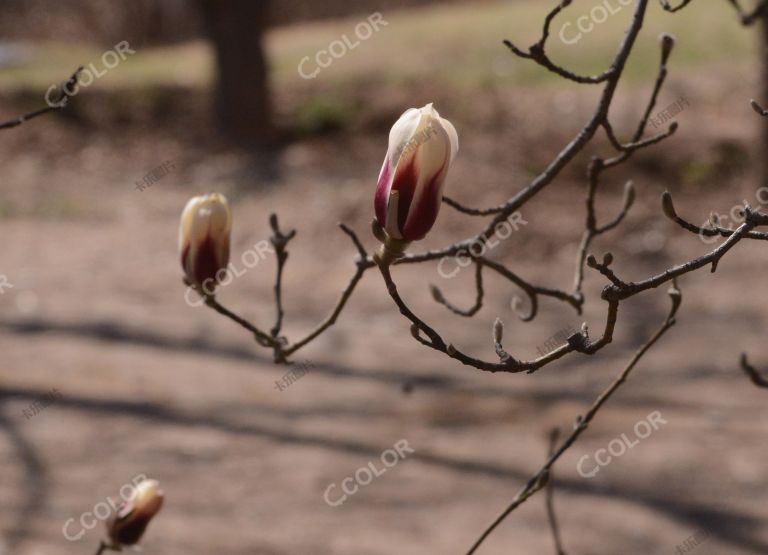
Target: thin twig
column 628, row 289
column 537, row 53
column 578, row 342
column 60, row 103
column 280, row 241
column 440, row 298
column 537, row 481
column 550, row 496
column 670, row 211
column 666, row 5
column 261, row 337
column 753, row 374
column 749, row 17
column 361, row 265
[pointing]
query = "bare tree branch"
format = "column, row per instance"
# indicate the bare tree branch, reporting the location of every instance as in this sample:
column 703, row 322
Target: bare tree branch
column 715, row 230
column 538, row 481
column 440, row 298
column 749, row 17
column 667, row 6
column 753, row 374
column 537, row 53
column 280, row 241
column 59, row 103
column 550, row 496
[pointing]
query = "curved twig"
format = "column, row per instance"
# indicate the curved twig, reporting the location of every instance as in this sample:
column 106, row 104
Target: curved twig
column 671, row 213
column 625, row 290
column 578, row 342
column 466, row 210
column 440, row 298
column 537, row 53
column 749, row 17
column 361, row 265
column 753, row 374
column 668, row 7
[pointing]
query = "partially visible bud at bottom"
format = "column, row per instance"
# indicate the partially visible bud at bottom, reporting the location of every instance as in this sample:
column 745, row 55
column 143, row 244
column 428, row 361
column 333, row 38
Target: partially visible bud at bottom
column 127, row 526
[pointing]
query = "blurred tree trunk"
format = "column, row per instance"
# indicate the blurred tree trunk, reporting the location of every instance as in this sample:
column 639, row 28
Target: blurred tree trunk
column 243, row 101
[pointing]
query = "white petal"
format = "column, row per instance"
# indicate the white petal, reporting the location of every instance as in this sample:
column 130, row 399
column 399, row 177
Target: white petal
column 401, row 133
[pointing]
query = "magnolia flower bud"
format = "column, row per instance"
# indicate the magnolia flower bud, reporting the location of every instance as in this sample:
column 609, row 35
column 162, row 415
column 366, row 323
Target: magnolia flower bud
column 422, row 146
column 204, row 239
column 129, row 523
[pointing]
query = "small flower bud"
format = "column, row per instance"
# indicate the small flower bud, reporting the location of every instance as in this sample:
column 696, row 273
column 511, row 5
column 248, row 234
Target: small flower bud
column 668, row 206
column 422, row 146
column 667, row 44
column 129, row 523
column 204, row 234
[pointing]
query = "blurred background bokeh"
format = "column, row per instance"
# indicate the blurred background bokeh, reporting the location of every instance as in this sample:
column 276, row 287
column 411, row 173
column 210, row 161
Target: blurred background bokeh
column 212, row 91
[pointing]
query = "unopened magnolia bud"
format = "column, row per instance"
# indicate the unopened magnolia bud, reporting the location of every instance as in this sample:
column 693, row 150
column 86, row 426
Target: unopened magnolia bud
column 667, row 44
column 668, row 206
column 629, row 195
column 422, row 146
column 204, row 235
column 758, row 108
column 129, row 523
column 498, row 330
column 437, row 295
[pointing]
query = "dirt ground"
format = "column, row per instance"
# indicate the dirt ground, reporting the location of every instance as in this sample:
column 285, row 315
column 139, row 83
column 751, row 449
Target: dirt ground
column 147, row 384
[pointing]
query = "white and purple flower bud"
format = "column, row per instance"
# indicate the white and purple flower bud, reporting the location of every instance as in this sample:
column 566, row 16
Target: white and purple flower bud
column 204, row 235
column 132, row 518
column 422, row 146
